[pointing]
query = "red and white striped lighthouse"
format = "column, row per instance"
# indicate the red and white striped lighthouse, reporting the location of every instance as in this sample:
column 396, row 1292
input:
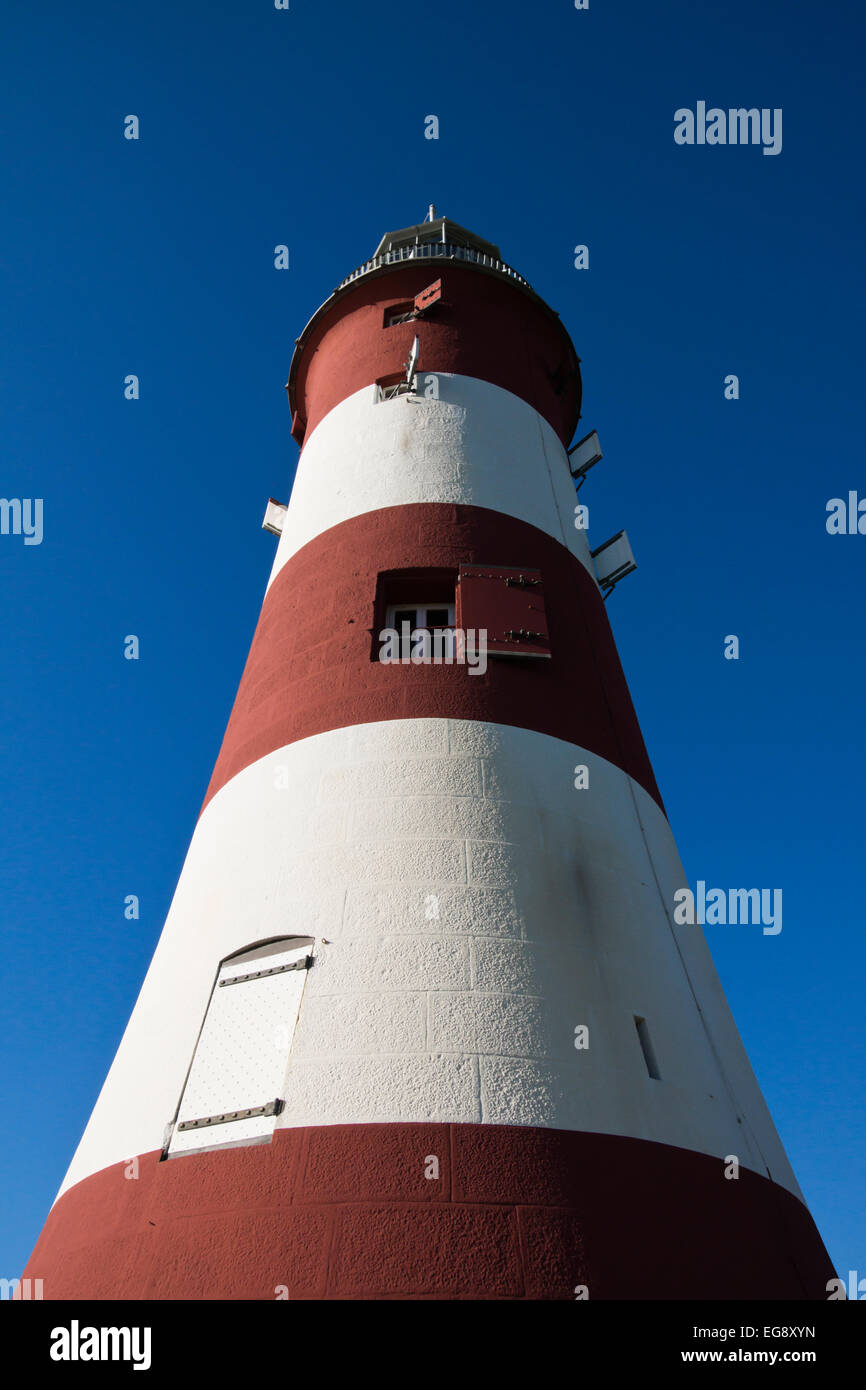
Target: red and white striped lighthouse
column 420, row 1022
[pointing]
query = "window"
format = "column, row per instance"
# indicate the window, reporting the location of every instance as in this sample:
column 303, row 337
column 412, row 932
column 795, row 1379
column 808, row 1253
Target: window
column 400, row 313
column 423, row 598
column 233, row 1088
column 508, row 603
column 649, row 1056
column 436, row 618
column 394, row 384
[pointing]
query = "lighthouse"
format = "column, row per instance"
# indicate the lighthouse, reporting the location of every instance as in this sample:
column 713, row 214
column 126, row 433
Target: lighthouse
column 421, row 1022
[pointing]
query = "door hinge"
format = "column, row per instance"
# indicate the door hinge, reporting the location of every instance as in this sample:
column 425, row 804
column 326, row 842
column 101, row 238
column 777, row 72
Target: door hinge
column 273, row 1107
column 274, row 970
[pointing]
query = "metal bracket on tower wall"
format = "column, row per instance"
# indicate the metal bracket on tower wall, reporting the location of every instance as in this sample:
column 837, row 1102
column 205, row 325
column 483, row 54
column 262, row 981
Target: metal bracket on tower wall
column 275, row 515
column 583, row 455
column 613, row 561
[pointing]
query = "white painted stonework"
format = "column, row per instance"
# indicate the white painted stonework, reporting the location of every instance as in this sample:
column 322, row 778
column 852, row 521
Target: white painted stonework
column 470, row 910
column 477, row 445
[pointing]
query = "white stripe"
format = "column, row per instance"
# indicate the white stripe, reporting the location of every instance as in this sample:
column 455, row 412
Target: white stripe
column 477, row 445
column 471, row 910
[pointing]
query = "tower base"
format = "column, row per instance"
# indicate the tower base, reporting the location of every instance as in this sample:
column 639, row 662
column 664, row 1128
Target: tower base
column 357, row 1212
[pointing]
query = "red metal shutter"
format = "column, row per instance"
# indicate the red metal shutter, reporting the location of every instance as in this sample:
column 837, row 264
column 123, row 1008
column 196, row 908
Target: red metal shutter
column 509, row 603
column 427, row 297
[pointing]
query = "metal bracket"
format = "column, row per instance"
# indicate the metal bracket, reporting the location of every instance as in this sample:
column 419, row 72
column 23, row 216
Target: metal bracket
column 615, row 563
column 582, row 456
column 275, row 515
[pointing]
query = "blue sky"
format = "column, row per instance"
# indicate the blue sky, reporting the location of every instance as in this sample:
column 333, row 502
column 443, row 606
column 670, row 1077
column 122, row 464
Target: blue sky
column 155, row 257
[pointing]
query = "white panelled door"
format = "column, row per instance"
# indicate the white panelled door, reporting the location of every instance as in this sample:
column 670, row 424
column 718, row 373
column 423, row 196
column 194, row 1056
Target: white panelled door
column 233, row 1089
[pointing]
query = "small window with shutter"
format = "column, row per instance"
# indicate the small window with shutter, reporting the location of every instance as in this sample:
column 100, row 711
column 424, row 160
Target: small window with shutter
column 233, row 1088
column 507, row 601
column 423, row 598
column 399, row 313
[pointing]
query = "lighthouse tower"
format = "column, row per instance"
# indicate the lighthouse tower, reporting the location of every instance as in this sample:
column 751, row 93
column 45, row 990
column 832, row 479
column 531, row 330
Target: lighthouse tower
column 420, row 1022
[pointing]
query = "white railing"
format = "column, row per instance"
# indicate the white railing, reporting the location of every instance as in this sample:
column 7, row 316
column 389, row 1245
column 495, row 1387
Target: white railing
column 430, row 250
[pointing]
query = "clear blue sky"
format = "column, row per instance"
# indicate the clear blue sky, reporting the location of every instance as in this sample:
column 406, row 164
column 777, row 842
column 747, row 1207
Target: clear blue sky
column 155, row 257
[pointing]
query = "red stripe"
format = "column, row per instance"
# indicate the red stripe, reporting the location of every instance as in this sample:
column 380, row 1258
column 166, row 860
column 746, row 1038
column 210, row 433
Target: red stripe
column 347, row 1212
column 310, row 668
column 483, row 327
